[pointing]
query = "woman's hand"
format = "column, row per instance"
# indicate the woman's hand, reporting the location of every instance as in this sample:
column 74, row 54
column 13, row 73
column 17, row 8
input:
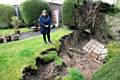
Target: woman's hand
column 46, row 26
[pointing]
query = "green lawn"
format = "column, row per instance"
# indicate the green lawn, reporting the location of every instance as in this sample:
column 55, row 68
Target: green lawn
column 10, row 31
column 110, row 70
column 15, row 56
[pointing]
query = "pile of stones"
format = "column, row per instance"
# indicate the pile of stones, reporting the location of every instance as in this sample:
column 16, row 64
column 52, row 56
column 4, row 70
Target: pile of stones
column 9, row 38
column 95, row 50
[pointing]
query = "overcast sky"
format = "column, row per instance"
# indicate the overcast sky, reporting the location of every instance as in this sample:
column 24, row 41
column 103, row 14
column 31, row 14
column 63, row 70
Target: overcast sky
column 109, row 1
column 13, row 2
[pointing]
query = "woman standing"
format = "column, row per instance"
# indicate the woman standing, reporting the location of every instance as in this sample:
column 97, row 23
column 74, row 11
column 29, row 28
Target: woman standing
column 45, row 22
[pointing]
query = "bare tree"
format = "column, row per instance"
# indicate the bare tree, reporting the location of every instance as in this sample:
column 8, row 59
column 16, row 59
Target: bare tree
column 88, row 15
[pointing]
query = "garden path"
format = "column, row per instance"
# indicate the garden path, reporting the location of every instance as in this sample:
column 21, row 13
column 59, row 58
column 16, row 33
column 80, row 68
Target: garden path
column 31, row 34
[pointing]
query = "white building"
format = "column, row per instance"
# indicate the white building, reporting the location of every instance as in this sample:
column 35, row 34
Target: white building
column 55, row 6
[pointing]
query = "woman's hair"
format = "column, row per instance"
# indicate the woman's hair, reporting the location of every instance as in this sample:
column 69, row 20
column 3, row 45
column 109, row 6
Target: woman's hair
column 44, row 11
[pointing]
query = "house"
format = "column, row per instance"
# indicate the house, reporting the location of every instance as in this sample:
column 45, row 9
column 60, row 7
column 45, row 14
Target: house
column 55, row 6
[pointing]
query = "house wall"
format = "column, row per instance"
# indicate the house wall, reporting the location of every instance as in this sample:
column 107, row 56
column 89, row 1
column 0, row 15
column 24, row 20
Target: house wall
column 56, row 9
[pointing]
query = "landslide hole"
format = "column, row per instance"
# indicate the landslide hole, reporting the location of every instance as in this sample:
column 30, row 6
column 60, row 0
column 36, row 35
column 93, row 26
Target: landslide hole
column 46, row 51
column 45, row 70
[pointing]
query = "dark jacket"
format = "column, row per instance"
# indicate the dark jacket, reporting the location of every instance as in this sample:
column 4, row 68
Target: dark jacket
column 45, row 21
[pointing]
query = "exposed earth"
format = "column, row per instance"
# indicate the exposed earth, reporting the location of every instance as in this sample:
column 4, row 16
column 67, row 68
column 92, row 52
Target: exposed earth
column 71, row 53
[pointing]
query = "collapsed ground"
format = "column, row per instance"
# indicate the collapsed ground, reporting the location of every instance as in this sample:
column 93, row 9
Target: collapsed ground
column 71, row 53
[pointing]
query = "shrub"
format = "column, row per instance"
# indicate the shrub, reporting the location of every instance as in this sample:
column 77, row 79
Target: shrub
column 6, row 13
column 118, row 3
column 52, row 56
column 49, row 57
column 58, row 60
column 113, row 22
column 68, row 13
column 15, row 22
column 31, row 10
column 73, row 74
column 4, row 25
column 111, row 70
column 113, row 50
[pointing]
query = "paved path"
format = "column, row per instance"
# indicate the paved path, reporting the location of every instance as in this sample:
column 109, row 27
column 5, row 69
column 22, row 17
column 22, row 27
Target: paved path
column 31, row 34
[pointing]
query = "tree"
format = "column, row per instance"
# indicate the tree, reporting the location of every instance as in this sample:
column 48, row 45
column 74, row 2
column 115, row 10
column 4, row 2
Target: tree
column 118, row 3
column 89, row 17
column 68, row 13
column 16, row 23
column 6, row 12
column 31, row 10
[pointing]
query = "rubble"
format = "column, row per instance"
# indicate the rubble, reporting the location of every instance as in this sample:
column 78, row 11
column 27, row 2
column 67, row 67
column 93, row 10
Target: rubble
column 95, row 50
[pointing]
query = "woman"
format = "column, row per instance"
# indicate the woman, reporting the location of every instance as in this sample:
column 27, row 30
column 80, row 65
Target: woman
column 45, row 22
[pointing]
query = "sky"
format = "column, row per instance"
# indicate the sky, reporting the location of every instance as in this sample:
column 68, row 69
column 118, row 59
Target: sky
column 109, row 1
column 11, row 2
column 14, row 2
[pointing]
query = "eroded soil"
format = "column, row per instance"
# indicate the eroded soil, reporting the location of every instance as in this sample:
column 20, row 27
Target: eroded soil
column 71, row 53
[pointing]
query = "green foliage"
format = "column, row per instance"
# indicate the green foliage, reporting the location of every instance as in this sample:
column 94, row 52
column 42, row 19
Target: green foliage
column 118, row 4
column 111, row 70
column 11, row 31
column 31, row 10
column 112, row 10
column 49, row 57
column 113, row 50
column 68, row 13
column 52, row 56
column 52, row 52
column 73, row 74
column 15, row 22
column 113, row 24
column 6, row 13
column 58, row 60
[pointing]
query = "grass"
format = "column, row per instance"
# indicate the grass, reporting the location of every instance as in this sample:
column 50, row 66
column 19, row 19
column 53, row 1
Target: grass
column 113, row 49
column 110, row 70
column 73, row 74
column 11, row 31
column 15, row 56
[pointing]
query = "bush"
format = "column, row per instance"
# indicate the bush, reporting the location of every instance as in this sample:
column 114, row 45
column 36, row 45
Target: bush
column 113, row 50
column 58, row 60
column 6, row 13
column 73, row 74
column 31, row 10
column 4, row 25
column 68, row 13
column 52, row 56
column 49, row 57
column 113, row 22
column 111, row 70
column 15, row 22
column 118, row 3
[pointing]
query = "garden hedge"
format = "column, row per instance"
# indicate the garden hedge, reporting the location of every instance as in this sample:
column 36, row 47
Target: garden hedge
column 31, row 10
column 68, row 13
column 6, row 12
